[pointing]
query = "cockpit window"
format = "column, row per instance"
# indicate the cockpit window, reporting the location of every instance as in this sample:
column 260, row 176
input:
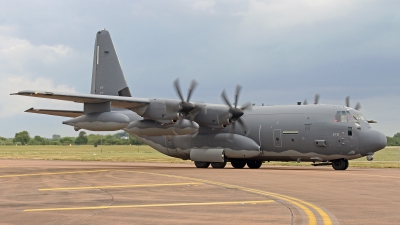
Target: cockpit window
column 343, row 116
column 349, row 117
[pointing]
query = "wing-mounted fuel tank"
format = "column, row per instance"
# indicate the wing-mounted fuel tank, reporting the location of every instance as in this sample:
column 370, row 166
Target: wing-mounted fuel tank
column 101, row 121
column 154, row 128
column 98, row 117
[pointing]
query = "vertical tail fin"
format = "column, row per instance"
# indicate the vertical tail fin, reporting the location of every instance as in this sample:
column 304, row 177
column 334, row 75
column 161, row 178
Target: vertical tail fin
column 107, row 76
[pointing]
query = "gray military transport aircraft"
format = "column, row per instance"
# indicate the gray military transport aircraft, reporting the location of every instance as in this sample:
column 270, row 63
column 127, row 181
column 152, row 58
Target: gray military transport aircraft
column 209, row 133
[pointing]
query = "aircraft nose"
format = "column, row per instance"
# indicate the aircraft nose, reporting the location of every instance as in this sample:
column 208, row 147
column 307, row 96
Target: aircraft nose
column 372, row 141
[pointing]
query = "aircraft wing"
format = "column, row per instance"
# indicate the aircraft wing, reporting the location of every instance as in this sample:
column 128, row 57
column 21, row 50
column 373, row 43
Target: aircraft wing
column 116, row 101
column 53, row 112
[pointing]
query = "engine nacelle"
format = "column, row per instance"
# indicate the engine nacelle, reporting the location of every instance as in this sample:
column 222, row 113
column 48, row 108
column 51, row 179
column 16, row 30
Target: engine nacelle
column 214, row 116
column 162, row 110
column 154, row 128
column 100, row 121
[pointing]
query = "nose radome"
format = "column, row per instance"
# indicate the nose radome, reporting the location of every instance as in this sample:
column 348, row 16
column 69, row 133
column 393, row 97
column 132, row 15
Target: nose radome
column 372, row 141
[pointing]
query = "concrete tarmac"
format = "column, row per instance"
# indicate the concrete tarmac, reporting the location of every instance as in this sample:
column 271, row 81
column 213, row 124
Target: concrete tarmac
column 64, row 192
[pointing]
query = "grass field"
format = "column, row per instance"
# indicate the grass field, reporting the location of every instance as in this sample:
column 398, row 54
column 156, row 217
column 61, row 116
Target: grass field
column 386, row 158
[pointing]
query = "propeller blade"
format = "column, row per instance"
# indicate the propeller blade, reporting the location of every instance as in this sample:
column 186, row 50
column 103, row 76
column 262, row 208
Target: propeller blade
column 246, row 105
column 244, row 127
column 305, row 102
column 316, row 99
column 237, row 92
column 358, row 106
column 225, row 98
column 178, row 89
column 191, row 89
column 231, row 136
column 191, row 116
column 348, row 101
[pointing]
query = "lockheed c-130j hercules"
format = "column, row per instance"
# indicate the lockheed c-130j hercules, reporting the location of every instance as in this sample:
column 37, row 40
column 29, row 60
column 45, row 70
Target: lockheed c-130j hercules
column 217, row 133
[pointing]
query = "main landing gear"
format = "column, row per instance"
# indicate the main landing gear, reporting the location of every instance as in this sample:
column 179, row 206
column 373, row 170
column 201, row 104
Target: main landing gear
column 252, row 164
column 340, row 164
column 201, row 164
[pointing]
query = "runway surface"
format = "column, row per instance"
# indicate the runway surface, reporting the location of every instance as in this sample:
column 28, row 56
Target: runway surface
column 63, row 192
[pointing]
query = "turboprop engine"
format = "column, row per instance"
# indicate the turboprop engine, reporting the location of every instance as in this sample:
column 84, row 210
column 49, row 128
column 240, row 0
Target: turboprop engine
column 100, row 121
column 154, row 128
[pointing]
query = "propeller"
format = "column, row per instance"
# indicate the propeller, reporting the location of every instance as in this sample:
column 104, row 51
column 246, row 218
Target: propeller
column 357, row 107
column 234, row 112
column 185, row 107
column 316, row 100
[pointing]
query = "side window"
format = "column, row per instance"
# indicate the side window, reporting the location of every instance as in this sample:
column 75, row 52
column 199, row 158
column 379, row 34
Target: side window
column 350, row 131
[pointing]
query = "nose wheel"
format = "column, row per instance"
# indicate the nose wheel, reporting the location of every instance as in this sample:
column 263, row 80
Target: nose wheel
column 340, row 164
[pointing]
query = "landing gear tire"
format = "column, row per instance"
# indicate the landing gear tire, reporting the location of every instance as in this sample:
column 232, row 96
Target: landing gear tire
column 238, row 164
column 218, row 165
column 254, row 164
column 201, row 164
column 340, row 164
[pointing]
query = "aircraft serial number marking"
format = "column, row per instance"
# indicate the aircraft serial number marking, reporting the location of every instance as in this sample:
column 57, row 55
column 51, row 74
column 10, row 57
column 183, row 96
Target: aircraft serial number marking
column 335, row 134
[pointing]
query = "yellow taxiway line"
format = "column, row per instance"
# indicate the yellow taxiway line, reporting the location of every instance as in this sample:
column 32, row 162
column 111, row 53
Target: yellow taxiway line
column 298, row 202
column 55, row 173
column 151, row 205
column 117, row 186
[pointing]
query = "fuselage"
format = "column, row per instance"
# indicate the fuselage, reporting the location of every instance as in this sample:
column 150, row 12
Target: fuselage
column 312, row 133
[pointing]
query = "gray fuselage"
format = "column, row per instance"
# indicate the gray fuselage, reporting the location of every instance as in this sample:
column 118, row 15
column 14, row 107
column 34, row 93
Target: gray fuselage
column 285, row 133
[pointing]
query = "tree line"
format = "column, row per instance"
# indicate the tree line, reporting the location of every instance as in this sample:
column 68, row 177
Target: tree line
column 23, row 138
column 121, row 138
column 394, row 141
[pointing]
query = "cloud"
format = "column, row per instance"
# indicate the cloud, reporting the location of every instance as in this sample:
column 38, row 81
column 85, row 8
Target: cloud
column 204, row 5
column 14, row 105
column 19, row 55
column 19, row 63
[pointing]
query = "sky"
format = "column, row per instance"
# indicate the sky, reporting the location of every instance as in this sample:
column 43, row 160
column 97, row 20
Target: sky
column 280, row 51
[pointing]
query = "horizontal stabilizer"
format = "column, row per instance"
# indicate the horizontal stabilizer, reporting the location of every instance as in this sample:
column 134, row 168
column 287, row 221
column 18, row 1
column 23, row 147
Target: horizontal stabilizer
column 116, row 101
column 54, row 112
